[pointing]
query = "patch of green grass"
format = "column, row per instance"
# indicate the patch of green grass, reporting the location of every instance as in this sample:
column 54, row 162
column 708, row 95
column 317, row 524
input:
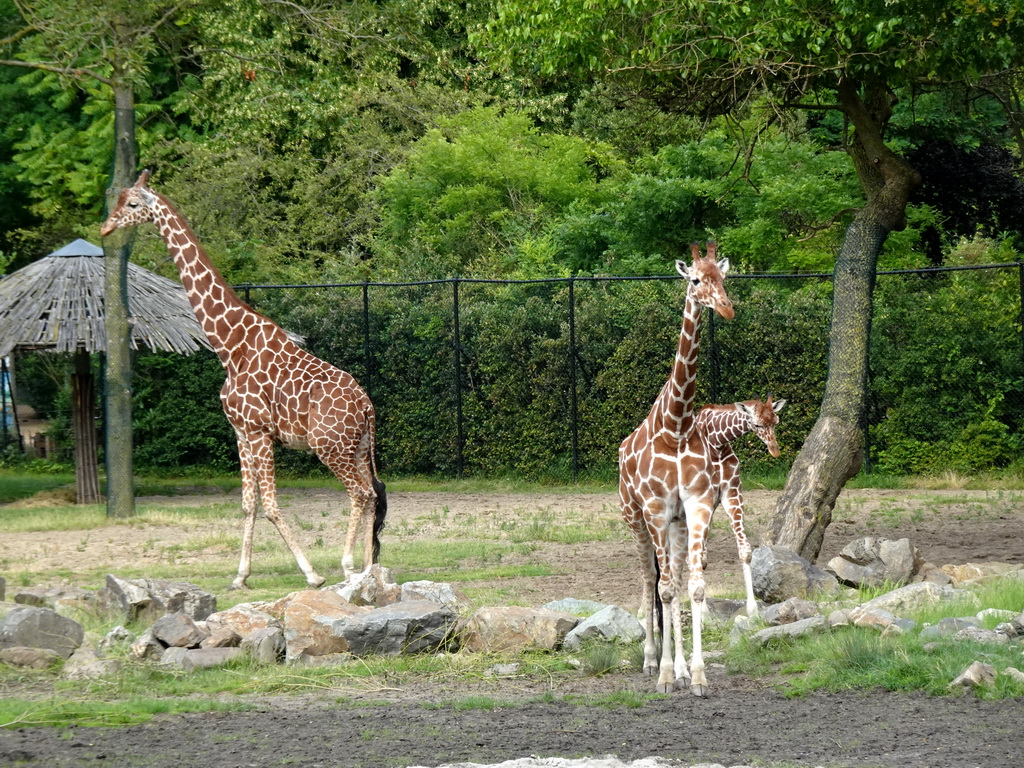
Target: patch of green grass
column 62, row 712
column 21, row 483
column 625, row 699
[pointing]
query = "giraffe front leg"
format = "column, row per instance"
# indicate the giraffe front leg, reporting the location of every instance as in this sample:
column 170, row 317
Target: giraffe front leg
column 734, row 507
column 263, row 455
column 698, row 518
column 677, row 549
column 249, row 510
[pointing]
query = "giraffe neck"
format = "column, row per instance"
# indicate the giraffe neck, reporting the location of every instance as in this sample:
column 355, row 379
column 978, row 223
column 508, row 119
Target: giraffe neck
column 720, row 425
column 222, row 315
column 674, row 408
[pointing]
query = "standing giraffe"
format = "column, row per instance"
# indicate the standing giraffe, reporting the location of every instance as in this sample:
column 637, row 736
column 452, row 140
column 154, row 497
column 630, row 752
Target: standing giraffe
column 665, row 489
column 275, row 391
column 717, row 427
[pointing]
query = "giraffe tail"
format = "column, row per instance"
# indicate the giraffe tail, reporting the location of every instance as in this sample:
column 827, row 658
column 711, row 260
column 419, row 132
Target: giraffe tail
column 380, row 510
column 658, row 605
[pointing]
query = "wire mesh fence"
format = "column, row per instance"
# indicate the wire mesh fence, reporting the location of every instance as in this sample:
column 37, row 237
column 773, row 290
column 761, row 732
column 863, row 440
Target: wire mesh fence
column 545, row 377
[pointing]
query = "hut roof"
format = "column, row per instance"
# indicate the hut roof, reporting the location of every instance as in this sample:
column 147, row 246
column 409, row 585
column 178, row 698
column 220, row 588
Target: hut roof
column 56, row 304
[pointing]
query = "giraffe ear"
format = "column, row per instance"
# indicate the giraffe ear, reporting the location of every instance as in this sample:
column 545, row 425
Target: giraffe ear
column 148, row 197
column 682, row 269
column 723, row 265
column 777, row 405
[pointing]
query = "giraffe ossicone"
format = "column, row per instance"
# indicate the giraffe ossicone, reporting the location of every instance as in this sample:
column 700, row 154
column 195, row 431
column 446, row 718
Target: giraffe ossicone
column 665, row 488
column 274, row 391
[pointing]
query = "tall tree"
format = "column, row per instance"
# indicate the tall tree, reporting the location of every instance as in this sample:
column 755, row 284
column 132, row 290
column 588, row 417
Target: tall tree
column 852, row 57
column 111, row 45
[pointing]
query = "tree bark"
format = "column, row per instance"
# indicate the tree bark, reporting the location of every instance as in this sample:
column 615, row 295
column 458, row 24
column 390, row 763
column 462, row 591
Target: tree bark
column 83, row 398
column 833, row 451
column 118, row 371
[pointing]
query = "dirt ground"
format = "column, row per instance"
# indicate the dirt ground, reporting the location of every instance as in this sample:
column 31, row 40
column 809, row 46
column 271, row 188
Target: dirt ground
column 744, row 721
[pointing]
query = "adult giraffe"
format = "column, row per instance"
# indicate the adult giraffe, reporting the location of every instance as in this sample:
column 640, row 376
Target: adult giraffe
column 664, row 492
column 274, row 391
column 716, row 428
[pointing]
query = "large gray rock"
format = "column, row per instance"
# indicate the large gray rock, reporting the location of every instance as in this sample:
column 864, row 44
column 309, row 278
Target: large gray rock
column 788, row 611
column 204, row 658
column 266, row 645
column 62, row 599
column 575, row 606
column 146, row 646
column 907, row 600
column 872, row 562
column 976, row 675
column 406, row 627
column 314, row 621
column 516, row 629
column 373, row 587
column 86, row 664
column 435, row 592
column 242, row 619
column 32, row 627
column 810, row 626
column 610, row 624
column 779, row 574
column 177, row 630
column 152, row 598
column 947, row 627
column 31, row 658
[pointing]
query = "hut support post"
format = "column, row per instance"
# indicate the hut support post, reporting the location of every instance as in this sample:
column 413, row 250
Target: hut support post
column 83, row 399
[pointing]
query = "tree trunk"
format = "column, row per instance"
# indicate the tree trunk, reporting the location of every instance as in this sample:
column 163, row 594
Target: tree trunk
column 833, row 451
column 83, row 398
column 118, row 371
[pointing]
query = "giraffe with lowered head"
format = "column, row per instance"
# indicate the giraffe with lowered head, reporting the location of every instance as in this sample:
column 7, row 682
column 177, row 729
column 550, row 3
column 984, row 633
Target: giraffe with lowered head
column 274, row 391
column 665, row 488
column 717, row 427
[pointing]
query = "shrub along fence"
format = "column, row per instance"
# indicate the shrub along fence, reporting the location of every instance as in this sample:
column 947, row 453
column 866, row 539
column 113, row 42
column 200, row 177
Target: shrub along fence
column 543, row 378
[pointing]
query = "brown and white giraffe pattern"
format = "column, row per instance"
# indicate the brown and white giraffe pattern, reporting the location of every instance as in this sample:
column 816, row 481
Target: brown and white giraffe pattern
column 717, row 427
column 665, row 489
column 274, row 391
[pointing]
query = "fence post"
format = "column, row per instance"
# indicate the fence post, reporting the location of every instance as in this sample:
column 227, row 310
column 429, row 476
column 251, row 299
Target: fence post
column 367, row 362
column 457, row 344
column 1020, row 275
column 573, row 411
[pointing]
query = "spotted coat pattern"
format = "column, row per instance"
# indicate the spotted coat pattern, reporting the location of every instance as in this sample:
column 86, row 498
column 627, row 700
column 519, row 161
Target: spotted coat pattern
column 717, row 427
column 274, row 391
column 666, row 491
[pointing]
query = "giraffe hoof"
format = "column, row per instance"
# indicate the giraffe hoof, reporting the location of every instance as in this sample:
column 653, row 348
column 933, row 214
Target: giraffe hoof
column 700, row 691
column 664, row 688
column 682, row 683
column 236, row 584
column 315, row 582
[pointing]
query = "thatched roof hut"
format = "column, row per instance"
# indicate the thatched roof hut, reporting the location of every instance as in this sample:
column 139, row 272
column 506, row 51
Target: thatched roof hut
column 56, row 304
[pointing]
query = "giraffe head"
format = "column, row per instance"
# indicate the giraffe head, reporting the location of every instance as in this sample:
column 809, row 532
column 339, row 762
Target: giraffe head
column 762, row 416
column 136, row 204
column 707, row 278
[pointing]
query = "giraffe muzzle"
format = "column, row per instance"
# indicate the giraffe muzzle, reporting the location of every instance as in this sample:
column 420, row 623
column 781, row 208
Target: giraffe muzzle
column 726, row 310
column 108, row 226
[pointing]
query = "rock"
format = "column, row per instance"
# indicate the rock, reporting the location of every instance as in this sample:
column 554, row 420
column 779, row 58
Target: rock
column 515, row 629
column 243, row 619
column 575, row 606
column 947, row 627
column 610, row 624
column 872, row 562
column 266, row 645
column 505, row 670
column 977, row 674
column 796, row 629
column 31, row 658
column 840, row 617
column 997, row 613
column 63, row 599
column 85, row 664
column 406, row 627
column 325, row 660
column 373, row 587
column 788, row 611
column 880, row 619
column 177, row 630
column 980, row 573
column 222, row 637
column 911, row 598
column 152, row 598
column 174, row 657
column 313, row 622
column 1015, row 674
column 435, row 592
column 741, row 627
column 979, row 635
column 115, row 637
column 779, row 573
column 204, row 658
column 31, row 627
column 146, row 646
column 723, row 611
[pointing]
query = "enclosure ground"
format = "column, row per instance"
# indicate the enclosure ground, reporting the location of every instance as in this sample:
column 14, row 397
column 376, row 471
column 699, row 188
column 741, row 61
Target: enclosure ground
column 744, row 721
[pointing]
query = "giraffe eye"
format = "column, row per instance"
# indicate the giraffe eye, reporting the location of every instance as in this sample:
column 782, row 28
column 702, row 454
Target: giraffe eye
column 696, row 281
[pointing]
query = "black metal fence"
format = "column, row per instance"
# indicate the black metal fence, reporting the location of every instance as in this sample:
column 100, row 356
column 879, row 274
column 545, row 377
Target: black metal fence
column 543, row 375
